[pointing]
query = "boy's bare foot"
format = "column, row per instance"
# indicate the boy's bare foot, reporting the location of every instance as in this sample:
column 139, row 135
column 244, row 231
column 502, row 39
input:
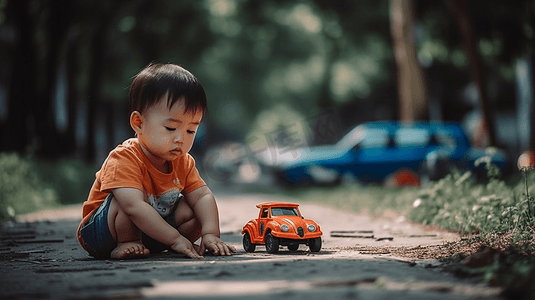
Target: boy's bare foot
column 129, row 250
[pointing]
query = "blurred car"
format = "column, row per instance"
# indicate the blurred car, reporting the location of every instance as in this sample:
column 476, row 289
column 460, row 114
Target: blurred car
column 281, row 224
column 371, row 152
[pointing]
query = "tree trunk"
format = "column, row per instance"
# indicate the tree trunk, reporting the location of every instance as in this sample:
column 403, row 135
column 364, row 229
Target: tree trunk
column 17, row 132
column 146, row 17
column 462, row 18
column 412, row 85
column 93, row 99
column 45, row 115
column 72, row 96
column 325, row 131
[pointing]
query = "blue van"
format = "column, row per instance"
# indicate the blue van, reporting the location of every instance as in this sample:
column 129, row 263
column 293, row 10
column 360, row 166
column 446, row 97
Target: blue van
column 372, row 151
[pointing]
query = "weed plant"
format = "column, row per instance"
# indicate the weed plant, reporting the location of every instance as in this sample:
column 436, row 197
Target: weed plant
column 489, row 209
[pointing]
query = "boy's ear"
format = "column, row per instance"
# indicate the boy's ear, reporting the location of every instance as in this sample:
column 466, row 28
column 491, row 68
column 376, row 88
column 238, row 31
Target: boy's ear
column 136, row 121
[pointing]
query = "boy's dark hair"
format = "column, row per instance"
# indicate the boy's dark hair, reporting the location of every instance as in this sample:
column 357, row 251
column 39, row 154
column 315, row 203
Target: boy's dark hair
column 158, row 80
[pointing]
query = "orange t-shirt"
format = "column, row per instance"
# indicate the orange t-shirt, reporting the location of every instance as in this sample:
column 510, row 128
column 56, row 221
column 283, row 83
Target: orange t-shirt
column 128, row 167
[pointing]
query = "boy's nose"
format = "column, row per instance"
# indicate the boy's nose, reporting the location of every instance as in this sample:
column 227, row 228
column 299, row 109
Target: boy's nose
column 178, row 136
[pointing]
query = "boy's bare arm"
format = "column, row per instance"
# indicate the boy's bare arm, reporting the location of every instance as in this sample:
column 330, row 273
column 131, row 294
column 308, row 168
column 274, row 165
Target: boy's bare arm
column 147, row 219
column 203, row 203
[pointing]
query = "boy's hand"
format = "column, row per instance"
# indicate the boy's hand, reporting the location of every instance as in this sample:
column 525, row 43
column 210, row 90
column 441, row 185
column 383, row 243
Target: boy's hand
column 184, row 246
column 216, row 245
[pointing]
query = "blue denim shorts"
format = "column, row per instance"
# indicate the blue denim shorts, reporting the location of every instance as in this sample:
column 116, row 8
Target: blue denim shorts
column 96, row 234
column 97, row 237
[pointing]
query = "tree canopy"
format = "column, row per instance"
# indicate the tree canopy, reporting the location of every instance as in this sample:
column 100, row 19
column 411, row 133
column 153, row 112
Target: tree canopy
column 68, row 63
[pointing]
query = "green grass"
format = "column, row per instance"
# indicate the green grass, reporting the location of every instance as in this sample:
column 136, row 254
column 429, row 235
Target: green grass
column 70, row 179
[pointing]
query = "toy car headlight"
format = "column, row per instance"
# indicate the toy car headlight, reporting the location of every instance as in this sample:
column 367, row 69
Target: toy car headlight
column 285, row 228
column 311, row 228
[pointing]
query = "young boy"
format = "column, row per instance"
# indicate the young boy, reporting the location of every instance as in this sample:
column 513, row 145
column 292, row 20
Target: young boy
column 148, row 195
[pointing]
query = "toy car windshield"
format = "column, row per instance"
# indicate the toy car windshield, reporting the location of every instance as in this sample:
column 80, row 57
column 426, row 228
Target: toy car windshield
column 284, row 211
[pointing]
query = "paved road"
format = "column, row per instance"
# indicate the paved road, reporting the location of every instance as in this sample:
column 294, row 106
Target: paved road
column 41, row 259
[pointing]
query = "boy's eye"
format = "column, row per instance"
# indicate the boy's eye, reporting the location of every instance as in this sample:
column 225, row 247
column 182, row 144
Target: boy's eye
column 191, row 131
column 170, row 128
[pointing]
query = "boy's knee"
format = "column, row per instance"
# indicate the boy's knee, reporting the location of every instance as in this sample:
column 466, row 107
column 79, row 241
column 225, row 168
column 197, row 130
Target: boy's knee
column 115, row 211
column 190, row 229
column 182, row 217
column 183, row 213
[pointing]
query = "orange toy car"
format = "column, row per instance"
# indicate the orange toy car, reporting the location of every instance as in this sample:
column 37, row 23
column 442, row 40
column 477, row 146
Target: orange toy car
column 281, row 224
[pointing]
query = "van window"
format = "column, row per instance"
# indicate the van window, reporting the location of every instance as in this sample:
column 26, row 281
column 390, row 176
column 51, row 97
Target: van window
column 375, row 138
column 411, row 137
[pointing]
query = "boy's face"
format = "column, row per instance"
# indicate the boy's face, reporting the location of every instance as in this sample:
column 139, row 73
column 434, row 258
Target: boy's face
column 167, row 133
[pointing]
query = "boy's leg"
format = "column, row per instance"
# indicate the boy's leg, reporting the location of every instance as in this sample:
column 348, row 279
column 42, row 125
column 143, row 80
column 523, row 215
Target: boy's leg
column 125, row 233
column 186, row 222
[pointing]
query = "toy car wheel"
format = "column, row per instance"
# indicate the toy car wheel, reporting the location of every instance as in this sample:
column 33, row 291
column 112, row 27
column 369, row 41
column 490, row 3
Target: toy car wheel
column 315, row 244
column 247, row 244
column 272, row 243
column 293, row 247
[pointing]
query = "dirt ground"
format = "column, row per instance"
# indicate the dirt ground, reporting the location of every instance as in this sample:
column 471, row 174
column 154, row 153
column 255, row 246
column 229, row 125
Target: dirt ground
column 41, row 259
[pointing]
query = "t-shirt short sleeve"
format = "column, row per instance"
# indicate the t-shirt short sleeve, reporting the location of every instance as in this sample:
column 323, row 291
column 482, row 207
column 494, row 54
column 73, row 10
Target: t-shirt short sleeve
column 193, row 179
column 122, row 169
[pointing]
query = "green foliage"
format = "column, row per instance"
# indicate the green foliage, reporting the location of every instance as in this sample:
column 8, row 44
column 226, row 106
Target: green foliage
column 27, row 185
column 251, row 56
column 457, row 203
column 70, row 179
column 21, row 190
